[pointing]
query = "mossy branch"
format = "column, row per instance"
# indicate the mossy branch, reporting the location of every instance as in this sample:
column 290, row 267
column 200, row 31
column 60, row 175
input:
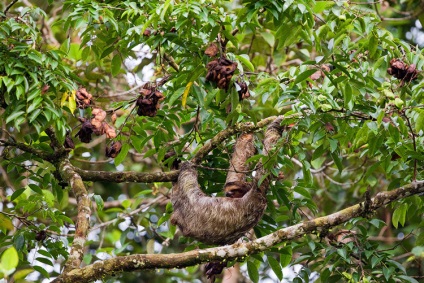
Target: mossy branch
column 82, row 224
column 171, row 176
column 236, row 251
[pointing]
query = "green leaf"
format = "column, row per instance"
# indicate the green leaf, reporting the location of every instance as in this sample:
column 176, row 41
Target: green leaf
column 408, row 279
column 44, row 260
column 116, row 64
column 303, row 76
column 42, row 271
column 372, row 46
column 399, row 215
column 9, row 260
column 16, row 194
column 245, row 60
column 269, row 38
column 5, row 223
column 253, row 272
column 35, row 188
column 99, row 202
column 165, row 9
column 321, row 6
column 14, row 115
column 419, row 121
column 276, row 267
column 122, row 154
column 21, row 274
column 286, row 254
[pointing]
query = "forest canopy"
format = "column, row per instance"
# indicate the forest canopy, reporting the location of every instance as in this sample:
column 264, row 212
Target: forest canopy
column 297, row 124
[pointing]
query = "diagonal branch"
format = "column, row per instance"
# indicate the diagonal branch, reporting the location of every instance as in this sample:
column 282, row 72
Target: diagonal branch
column 171, row 176
column 236, row 251
column 83, row 218
column 28, row 148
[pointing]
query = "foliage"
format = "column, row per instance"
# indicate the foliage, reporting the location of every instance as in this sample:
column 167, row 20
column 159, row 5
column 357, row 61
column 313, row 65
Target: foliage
column 352, row 129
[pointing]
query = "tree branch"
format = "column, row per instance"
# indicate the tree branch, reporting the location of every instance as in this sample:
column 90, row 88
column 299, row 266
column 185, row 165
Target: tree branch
column 140, row 177
column 83, row 218
column 27, row 148
column 127, row 176
column 236, row 251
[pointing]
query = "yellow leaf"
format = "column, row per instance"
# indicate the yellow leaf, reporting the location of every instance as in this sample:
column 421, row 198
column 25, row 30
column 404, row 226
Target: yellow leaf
column 72, row 102
column 5, row 223
column 64, row 98
column 185, row 94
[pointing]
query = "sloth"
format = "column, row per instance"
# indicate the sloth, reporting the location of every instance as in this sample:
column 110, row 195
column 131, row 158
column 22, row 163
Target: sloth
column 221, row 220
column 236, row 189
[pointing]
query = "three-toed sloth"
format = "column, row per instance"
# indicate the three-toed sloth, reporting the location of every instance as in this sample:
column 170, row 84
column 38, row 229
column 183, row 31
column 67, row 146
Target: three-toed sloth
column 220, row 220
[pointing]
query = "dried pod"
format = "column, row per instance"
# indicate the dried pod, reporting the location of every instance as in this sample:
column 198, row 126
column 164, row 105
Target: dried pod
column 243, row 92
column 220, row 71
column 214, row 268
column 109, row 131
column 83, row 98
column 329, row 127
column 41, row 236
column 147, row 32
column 113, row 150
column 211, row 50
column 45, row 89
column 148, row 102
column 98, row 114
column 97, row 127
column 69, row 143
column 402, row 71
column 84, row 134
column 113, row 117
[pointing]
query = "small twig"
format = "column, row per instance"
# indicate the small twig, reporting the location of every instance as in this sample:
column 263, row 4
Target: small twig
column 9, row 6
column 171, row 62
column 124, row 215
column 414, row 143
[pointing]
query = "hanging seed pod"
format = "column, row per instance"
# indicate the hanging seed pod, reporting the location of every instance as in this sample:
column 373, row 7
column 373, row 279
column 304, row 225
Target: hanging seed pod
column 148, row 102
column 220, row 71
column 243, row 92
column 83, row 98
column 84, row 134
column 211, row 50
column 69, row 143
column 402, row 71
column 113, row 150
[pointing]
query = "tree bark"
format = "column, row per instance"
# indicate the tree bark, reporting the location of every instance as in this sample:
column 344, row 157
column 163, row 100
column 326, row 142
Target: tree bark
column 237, row 251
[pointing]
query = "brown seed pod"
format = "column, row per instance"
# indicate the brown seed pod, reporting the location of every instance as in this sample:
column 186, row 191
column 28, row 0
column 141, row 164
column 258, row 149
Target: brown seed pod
column 244, row 90
column 147, row 32
column 83, row 98
column 113, row 150
column 109, row 131
column 41, row 236
column 214, row 268
column 211, row 50
column 220, row 71
column 148, row 102
column 98, row 114
column 84, row 134
column 69, row 143
column 402, row 71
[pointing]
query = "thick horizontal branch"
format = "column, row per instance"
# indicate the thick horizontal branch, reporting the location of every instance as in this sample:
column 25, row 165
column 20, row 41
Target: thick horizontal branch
column 142, row 177
column 28, row 148
column 127, row 176
column 236, row 251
